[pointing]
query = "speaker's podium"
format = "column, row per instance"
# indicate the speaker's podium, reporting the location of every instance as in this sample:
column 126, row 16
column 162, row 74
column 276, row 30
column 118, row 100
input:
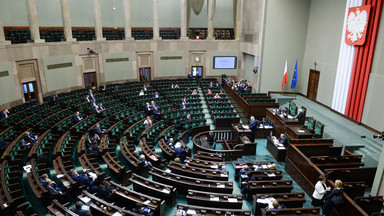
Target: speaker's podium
column 241, row 135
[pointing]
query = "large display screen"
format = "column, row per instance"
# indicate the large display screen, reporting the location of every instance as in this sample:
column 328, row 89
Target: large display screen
column 224, row 62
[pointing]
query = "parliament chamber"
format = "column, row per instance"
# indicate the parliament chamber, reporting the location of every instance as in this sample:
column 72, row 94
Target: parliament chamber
column 182, row 107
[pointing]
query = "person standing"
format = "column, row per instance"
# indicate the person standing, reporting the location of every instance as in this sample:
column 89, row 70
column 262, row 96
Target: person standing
column 253, row 127
column 330, row 200
column 320, row 190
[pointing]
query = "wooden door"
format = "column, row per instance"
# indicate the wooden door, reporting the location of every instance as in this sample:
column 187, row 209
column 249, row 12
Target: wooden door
column 145, row 74
column 90, row 80
column 30, row 91
column 313, row 83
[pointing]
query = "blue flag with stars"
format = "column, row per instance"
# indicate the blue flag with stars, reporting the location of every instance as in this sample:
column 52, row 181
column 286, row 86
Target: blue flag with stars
column 294, row 79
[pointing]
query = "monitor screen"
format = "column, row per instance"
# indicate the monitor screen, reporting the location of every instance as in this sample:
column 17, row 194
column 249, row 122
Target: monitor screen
column 224, row 62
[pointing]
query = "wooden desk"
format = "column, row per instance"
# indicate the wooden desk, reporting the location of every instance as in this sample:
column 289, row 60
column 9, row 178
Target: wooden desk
column 240, row 131
column 278, row 153
column 287, row 126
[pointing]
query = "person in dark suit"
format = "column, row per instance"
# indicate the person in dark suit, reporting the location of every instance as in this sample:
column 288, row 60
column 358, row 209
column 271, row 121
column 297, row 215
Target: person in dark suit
column 184, row 100
column 180, row 152
column 51, row 187
column 210, row 139
column 101, row 107
column 29, row 140
column 253, row 126
column 87, row 99
column 170, row 143
column 116, row 88
column 223, row 78
column 81, row 212
column 245, row 183
column 88, row 181
column 210, row 85
column 4, row 114
column 188, row 118
column 140, row 209
column 156, row 112
column 91, row 96
column 143, row 161
column 74, row 175
column 147, row 108
column 283, row 140
column 329, row 204
column 93, row 103
column 183, row 106
column 248, row 89
column 77, row 117
column 153, row 105
column 43, row 179
column 96, row 111
column 103, row 88
column 299, row 115
column 156, row 95
column 105, row 191
column 99, row 131
column 190, row 75
column 264, row 122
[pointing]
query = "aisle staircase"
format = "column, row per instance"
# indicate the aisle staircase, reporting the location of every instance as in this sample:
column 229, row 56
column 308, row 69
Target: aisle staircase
column 207, row 116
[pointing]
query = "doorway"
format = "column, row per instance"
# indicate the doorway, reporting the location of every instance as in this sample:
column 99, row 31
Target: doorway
column 313, row 83
column 145, row 74
column 30, row 91
column 197, row 71
column 90, row 80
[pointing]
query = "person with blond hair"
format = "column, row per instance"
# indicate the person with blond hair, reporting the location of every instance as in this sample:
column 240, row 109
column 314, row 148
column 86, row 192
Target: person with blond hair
column 333, row 198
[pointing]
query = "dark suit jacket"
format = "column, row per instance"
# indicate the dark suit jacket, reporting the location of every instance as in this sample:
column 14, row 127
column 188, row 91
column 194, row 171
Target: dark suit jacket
column 183, row 107
column 283, row 141
column 77, row 118
column 104, row 193
column 52, row 191
column 3, row 115
column 299, row 115
column 179, row 151
column 98, row 131
column 84, row 180
column 156, row 112
column 253, row 126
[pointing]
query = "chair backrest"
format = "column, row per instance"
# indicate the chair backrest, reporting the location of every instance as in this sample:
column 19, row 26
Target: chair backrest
column 292, row 108
column 311, row 123
column 319, row 129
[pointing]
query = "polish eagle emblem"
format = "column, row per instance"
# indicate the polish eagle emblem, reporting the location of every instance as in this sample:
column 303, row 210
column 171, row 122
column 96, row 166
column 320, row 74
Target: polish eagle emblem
column 357, row 22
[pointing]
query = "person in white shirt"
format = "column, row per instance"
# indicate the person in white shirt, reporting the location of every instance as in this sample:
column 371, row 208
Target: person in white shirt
column 141, row 93
column 148, row 122
column 320, row 190
column 216, row 96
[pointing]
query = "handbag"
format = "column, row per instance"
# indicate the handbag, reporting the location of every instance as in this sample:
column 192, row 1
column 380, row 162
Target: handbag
column 338, row 199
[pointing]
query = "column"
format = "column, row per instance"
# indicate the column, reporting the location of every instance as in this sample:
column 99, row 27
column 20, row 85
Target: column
column 183, row 17
column 66, row 16
column 239, row 18
column 211, row 14
column 32, row 20
column 127, row 20
column 155, row 7
column 98, row 26
column 2, row 35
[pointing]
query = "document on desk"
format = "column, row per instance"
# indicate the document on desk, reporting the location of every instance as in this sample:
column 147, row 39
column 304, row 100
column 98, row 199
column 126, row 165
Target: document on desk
column 271, row 175
column 246, row 127
column 264, row 166
column 232, row 199
column 221, row 186
column 301, row 131
column 147, row 202
column 85, row 199
column 191, row 212
column 165, row 190
column 214, row 198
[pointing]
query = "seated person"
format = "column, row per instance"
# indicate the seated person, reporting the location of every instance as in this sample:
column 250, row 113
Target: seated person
column 4, row 114
column 216, row 96
column 188, row 89
column 77, row 117
column 95, row 138
column 210, row 85
column 53, row 190
column 275, row 205
column 74, row 175
column 221, row 93
column 156, row 112
column 93, row 103
column 217, row 85
column 145, row 88
column 147, row 108
column 98, row 130
column 210, row 138
column 184, row 100
column 103, row 88
column 176, row 160
column 147, row 122
column 209, row 92
column 81, row 212
column 190, row 75
column 156, row 95
column 43, row 179
column 143, row 161
column 283, row 140
column 235, row 88
column 264, row 122
column 242, row 171
column 245, row 183
column 183, row 106
column 87, row 99
column 96, row 110
column 220, row 167
column 285, row 111
column 173, row 86
column 105, row 191
column 29, row 140
column 88, row 179
column 170, row 143
column 140, row 209
column 177, row 86
column 141, row 93
column 189, row 118
column 248, row 89
column 92, row 97
column 101, row 107
column 180, row 151
column 116, row 88
column 153, row 105
column 194, row 92
column 299, row 115
column 136, row 154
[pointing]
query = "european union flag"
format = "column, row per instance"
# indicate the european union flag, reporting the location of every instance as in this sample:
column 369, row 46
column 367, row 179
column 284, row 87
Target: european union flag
column 294, row 79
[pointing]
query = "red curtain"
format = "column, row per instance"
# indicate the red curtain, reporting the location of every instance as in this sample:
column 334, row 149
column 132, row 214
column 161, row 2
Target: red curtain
column 362, row 64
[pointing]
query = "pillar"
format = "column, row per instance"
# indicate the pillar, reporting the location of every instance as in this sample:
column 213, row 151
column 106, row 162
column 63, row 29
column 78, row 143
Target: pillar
column 211, row 14
column 155, row 7
column 98, row 26
column 127, row 20
column 32, row 20
column 239, row 18
column 66, row 16
column 183, row 17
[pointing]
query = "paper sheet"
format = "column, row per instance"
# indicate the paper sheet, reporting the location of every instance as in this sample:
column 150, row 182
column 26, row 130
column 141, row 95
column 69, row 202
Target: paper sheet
column 232, row 199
